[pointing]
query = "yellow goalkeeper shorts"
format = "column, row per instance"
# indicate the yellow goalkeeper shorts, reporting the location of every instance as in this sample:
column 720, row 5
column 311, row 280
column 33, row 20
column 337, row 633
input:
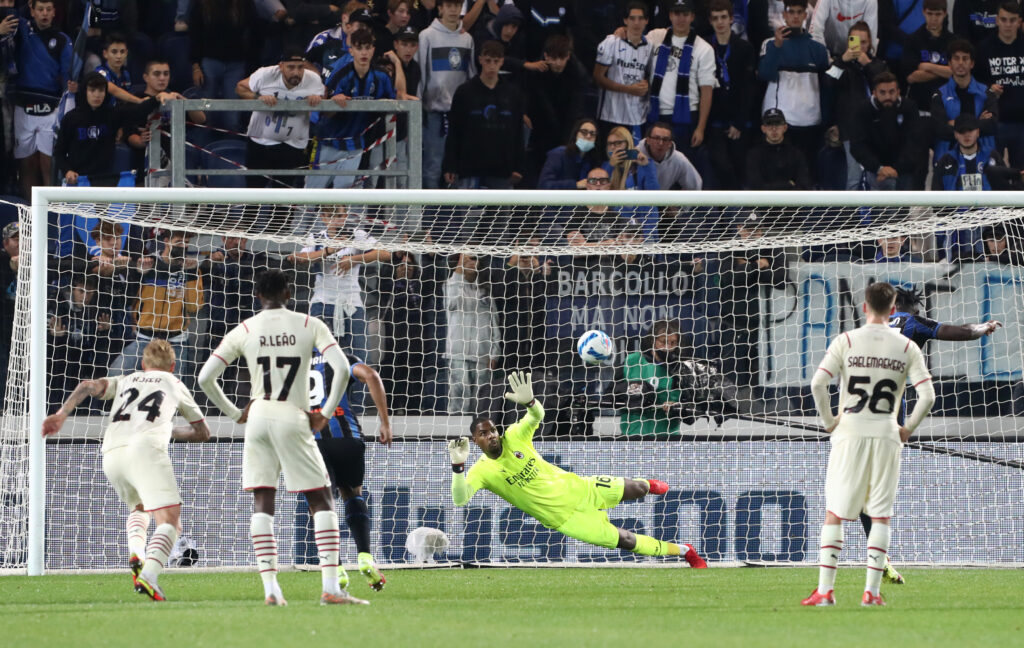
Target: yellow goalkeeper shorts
column 589, row 523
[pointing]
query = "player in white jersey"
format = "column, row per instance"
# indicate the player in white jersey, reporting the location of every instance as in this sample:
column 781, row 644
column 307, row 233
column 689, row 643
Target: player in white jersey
column 277, row 345
column 620, row 72
column 135, row 458
column 873, row 364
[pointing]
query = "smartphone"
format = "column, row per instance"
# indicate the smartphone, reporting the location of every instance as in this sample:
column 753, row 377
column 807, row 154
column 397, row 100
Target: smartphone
column 854, row 42
column 7, row 11
column 790, row 32
column 632, row 154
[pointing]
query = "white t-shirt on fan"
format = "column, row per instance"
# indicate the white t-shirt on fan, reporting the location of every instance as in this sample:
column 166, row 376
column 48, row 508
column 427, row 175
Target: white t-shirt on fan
column 271, row 128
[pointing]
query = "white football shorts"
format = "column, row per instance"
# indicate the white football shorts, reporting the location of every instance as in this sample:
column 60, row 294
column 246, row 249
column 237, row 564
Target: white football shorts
column 33, row 133
column 278, row 439
column 863, row 475
column 141, row 473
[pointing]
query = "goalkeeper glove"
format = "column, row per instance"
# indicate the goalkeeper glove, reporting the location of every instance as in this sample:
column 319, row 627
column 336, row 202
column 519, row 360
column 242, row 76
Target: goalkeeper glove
column 522, row 388
column 458, row 450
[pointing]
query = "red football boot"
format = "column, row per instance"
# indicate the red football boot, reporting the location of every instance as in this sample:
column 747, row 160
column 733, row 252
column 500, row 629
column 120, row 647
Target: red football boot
column 658, row 487
column 870, row 599
column 817, row 599
column 693, row 559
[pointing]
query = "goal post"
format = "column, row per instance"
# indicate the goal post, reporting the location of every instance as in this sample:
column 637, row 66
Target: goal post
column 751, row 421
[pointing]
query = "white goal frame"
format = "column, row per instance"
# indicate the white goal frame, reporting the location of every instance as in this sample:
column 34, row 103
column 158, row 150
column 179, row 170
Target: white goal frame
column 43, row 197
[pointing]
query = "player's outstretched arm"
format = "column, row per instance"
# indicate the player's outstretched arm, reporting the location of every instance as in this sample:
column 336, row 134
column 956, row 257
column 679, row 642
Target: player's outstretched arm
column 521, row 384
column 458, row 451
column 367, row 375
column 85, row 389
column 955, row 333
column 208, row 381
column 197, row 432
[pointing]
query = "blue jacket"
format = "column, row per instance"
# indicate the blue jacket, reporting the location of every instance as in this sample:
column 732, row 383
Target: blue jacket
column 792, row 71
column 43, row 59
column 643, row 178
column 563, row 171
column 946, row 106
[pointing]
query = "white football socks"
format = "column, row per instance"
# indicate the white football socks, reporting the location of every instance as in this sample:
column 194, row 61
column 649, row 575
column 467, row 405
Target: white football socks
column 828, row 558
column 136, row 528
column 878, row 548
column 158, row 550
column 265, row 546
column 328, row 540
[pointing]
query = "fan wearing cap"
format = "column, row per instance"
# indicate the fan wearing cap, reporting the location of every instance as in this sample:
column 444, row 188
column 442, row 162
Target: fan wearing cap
column 682, row 78
column 329, row 49
column 277, row 140
column 971, row 165
column 962, row 94
column 406, row 43
column 774, row 163
column 794, row 66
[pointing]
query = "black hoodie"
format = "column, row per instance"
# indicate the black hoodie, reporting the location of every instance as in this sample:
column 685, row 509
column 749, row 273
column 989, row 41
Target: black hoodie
column 485, row 133
column 85, row 142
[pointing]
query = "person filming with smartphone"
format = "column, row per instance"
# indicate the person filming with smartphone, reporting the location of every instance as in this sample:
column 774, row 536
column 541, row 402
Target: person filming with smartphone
column 794, row 66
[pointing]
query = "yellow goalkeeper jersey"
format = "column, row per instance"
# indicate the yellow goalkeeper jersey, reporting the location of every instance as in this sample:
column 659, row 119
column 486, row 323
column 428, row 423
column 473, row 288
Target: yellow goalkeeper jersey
column 523, row 479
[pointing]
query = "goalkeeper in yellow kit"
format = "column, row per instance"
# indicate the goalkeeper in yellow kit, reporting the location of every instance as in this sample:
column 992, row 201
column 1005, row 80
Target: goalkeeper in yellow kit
column 560, row 500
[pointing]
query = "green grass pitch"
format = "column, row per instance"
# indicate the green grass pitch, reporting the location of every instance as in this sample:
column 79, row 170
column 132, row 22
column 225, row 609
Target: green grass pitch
column 526, row 608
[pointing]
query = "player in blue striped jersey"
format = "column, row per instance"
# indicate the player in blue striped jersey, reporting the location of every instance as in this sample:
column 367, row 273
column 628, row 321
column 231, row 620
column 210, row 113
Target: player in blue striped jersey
column 920, row 330
column 342, row 446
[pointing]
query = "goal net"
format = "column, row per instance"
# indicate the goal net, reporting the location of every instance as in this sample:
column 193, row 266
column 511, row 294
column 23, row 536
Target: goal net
column 720, row 306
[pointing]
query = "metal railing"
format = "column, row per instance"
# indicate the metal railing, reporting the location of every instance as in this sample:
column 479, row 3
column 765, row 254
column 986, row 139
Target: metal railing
column 411, row 170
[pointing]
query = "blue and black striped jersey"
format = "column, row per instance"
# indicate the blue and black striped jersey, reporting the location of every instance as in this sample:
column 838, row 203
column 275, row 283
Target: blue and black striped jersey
column 344, row 423
column 917, row 328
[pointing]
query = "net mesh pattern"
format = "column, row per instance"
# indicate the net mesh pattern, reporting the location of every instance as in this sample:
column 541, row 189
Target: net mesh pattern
column 446, row 300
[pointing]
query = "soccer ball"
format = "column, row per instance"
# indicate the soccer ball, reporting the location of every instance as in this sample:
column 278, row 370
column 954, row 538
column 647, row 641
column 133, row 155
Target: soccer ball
column 595, row 348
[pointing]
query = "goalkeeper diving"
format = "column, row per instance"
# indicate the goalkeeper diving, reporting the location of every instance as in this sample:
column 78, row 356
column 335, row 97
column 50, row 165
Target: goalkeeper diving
column 560, row 500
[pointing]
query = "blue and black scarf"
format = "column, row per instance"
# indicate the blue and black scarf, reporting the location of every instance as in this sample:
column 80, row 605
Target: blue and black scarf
column 681, row 109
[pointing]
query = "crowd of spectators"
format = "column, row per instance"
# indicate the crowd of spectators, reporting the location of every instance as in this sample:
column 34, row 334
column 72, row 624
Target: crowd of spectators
column 604, row 94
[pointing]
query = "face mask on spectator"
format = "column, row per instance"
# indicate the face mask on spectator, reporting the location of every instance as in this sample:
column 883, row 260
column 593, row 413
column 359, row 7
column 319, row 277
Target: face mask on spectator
column 584, row 145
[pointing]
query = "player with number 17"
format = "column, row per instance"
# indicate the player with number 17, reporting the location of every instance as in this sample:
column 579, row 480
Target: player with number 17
column 277, row 345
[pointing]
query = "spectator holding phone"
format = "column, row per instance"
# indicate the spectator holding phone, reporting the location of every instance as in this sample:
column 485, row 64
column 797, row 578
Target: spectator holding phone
column 833, row 21
column 853, row 72
column 631, row 169
column 794, row 65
